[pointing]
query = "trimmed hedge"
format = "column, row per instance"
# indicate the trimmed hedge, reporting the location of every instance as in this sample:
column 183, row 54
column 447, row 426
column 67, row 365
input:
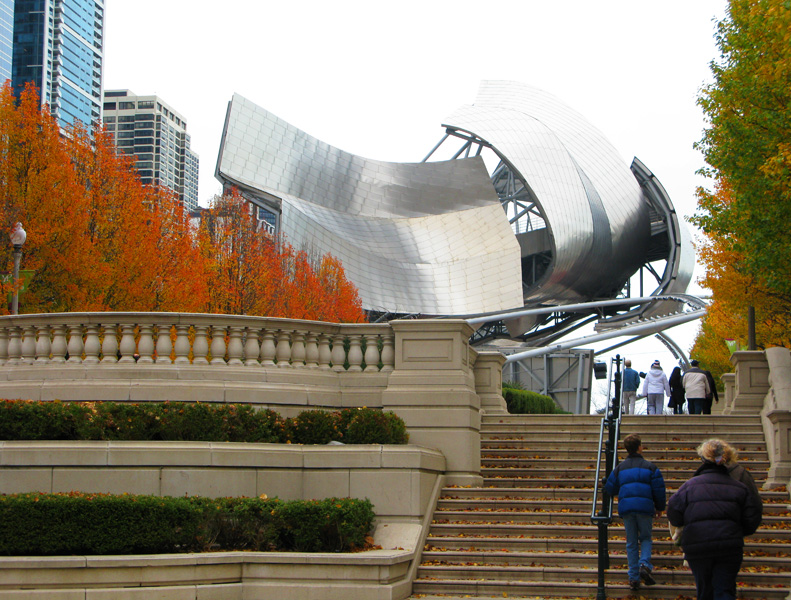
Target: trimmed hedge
column 525, row 402
column 194, row 421
column 38, row 524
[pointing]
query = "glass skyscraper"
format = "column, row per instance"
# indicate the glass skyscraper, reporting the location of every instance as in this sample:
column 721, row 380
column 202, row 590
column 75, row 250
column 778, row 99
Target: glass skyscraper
column 149, row 129
column 58, row 45
column 6, row 38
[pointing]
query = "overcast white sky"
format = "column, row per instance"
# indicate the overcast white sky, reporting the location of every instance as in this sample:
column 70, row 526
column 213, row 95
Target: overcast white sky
column 378, row 78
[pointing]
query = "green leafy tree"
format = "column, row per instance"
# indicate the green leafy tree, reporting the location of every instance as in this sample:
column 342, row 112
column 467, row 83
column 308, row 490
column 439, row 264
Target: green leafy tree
column 748, row 140
column 747, row 145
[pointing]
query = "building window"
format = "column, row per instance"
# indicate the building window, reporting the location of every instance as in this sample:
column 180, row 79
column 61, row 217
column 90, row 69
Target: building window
column 126, row 105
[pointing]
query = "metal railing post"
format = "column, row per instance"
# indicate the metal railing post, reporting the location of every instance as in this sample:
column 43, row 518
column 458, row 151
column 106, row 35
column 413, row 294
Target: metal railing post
column 611, row 421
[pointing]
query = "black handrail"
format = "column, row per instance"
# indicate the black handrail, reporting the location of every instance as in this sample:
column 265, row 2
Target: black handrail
column 603, row 517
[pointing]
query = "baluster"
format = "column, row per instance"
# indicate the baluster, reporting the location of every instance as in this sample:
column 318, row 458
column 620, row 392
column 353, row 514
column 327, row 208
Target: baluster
column 355, row 353
column 14, row 346
column 145, row 345
column 312, row 351
column 283, row 349
column 92, row 345
column 218, row 345
column 75, row 346
column 43, row 345
column 298, row 350
column 109, row 344
column 235, row 348
column 3, row 346
column 58, row 346
column 29, row 345
column 127, row 345
column 252, row 348
column 268, row 348
column 338, row 352
column 325, row 354
column 164, row 344
column 200, row 348
column 371, row 352
column 388, row 353
column 182, row 345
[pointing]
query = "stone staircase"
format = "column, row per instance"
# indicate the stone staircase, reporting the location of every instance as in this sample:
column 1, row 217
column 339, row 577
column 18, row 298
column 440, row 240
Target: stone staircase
column 527, row 532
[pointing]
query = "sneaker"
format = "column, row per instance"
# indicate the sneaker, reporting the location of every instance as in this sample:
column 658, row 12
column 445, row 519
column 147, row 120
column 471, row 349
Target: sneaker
column 634, row 585
column 645, row 575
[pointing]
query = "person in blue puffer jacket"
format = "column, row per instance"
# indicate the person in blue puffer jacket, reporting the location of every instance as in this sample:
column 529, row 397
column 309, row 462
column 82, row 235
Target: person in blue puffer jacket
column 640, row 488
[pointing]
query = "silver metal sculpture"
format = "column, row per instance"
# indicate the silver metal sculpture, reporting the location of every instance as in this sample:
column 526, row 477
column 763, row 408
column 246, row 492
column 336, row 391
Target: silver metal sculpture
column 559, row 220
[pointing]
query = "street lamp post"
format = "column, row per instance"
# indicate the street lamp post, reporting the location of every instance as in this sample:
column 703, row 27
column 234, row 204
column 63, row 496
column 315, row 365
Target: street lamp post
column 18, row 237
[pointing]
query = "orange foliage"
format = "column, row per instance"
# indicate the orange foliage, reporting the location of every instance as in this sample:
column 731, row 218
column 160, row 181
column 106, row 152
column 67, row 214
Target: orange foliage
column 734, row 290
column 254, row 273
column 99, row 240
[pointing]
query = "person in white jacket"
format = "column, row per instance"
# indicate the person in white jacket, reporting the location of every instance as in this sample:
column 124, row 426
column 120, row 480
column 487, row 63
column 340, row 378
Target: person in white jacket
column 696, row 387
column 655, row 388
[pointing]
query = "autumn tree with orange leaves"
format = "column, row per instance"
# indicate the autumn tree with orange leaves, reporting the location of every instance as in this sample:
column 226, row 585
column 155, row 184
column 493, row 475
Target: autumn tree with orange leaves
column 252, row 272
column 734, row 289
column 99, row 240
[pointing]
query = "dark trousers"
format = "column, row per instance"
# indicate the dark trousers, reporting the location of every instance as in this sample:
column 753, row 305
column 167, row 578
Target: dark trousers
column 715, row 577
column 697, row 405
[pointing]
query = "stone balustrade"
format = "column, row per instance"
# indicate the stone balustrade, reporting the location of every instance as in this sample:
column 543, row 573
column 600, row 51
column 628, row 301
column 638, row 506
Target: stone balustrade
column 196, row 339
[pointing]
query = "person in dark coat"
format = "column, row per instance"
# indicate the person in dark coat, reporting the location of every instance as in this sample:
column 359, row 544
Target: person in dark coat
column 713, row 396
column 677, row 398
column 640, row 488
column 716, row 511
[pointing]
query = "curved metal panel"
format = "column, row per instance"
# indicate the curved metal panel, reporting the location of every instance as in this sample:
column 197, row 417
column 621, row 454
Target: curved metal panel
column 414, row 238
column 599, row 228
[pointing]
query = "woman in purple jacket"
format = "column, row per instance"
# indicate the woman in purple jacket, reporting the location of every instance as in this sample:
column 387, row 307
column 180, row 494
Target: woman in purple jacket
column 716, row 512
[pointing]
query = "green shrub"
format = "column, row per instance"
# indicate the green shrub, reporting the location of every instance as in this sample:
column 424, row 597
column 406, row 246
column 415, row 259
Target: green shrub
column 525, row 402
column 75, row 523
column 313, row 427
column 192, row 421
column 369, row 426
column 324, row 525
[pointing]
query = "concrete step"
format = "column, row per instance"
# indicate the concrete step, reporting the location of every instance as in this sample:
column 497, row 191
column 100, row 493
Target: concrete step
column 632, row 421
column 584, row 585
column 557, row 558
column 546, row 461
column 754, row 548
column 583, row 529
column 537, row 514
column 581, row 446
column 780, row 508
column 578, row 493
column 571, row 472
column 520, row 580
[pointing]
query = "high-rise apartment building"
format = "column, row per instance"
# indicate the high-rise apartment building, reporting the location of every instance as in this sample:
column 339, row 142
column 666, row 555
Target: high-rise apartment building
column 149, row 129
column 58, row 45
column 6, row 38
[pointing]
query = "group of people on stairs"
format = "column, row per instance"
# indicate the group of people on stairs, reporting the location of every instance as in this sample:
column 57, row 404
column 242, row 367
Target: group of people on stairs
column 712, row 512
column 695, row 386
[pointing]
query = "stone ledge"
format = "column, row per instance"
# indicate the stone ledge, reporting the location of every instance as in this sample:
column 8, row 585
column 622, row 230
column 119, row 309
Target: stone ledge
column 380, row 574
